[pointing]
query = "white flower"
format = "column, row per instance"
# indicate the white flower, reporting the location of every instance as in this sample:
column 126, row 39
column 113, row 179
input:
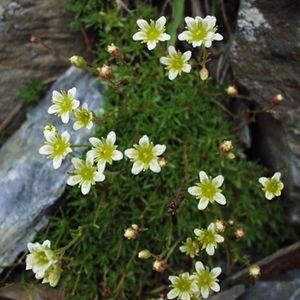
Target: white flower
column 52, row 275
column 207, row 190
column 83, row 117
column 200, row 31
column 209, row 238
column 40, row 258
column 190, row 248
column 85, row 174
column 272, row 186
column 183, row 287
column 145, row 156
column 63, row 104
column 176, row 62
column 206, row 280
column 151, row 33
column 57, row 146
column 104, row 150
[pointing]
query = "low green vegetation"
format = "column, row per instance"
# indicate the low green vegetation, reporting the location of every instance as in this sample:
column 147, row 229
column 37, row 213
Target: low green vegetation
column 33, row 93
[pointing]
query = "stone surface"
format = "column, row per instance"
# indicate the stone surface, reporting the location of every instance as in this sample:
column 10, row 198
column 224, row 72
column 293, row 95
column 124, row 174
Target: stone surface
column 28, row 183
column 20, row 60
column 266, row 61
column 232, row 294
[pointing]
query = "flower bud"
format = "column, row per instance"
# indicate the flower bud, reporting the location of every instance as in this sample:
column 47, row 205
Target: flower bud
column 254, row 271
column 162, row 162
column 105, row 72
column 78, row 61
column 50, row 128
column 232, row 91
column 34, row 39
column 113, row 50
column 230, row 155
column 225, row 147
column 277, row 100
column 240, row 233
column 220, row 226
column 230, row 222
column 132, row 232
column 203, row 73
column 159, row 265
column 144, row 254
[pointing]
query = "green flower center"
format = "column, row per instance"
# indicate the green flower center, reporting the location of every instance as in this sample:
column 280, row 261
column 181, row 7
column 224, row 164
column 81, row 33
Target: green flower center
column 83, row 116
column 208, row 189
column 177, row 63
column 191, row 247
column 87, row 173
column 105, row 152
column 199, row 32
column 273, row 186
column 66, row 105
column 59, row 147
column 152, row 33
column 41, row 258
column 204, row 279
column 208, row 237
column 183, row 285
column 145, row 153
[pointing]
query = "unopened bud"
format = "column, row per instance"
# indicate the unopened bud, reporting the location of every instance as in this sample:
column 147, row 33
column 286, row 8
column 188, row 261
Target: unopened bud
column 144, row 254
column 113, row 50
column 277, row 100
column 132, row 232
column 231, row 155
column 230, row 222
column 203, row 73
column 159, row 265
column 232, row 91
column 240, row 233
column 254, row 271
column 105, row 72
column 78, row 61
column 225, row 147
column 50, row 128
column 220, row 226
column 162, row 162
column 34, row 39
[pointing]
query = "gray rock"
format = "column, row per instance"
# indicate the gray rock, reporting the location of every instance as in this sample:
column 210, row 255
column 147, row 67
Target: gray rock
column 266, row 61
column 28, row 183
column 20, row 60
column 232, row 294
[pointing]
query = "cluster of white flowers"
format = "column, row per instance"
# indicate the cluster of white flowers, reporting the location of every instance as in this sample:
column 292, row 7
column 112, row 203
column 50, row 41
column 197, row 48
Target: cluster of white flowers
column 44, row 263
column 144, row 155
column 200, row 32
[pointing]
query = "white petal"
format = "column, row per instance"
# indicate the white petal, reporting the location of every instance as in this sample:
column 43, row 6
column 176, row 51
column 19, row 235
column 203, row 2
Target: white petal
column 218, row 37
column 151, row 45
column 216, row 271
column 76, row 104
column 172, row 74
column 154, row 166
column 184, row 36
column 117, row 155
column 57, row 162
column 190, row 22
column 139, row 36
column 65, row 117
column 111, row 137
column 165, row 60
column 215, row 287
column 73, row 180
column 159, row 149
column 77, row 125
column 85, row 188
column 203, row 176
column 53, row 109
column 56, row 96
column 208, row 43
column 220, row 198
column 218, row 181
column 263, row 180
column 89, row 125
column 142, row 24
column 137, row 167
column 277, row 176
column 199, row 266
column 72, row 92
column 172, row 294
column 65, row 136
column 185, row 296
column 47, row 244
column 131, row 153
column 186, row 68
column 46, row 150
column 50, row 136
column 202, row 203
column 77, row 163
column 269, row 196
column 210, row 22
column 144, row 140
column 187, row 55
column 196, row 44
column 164, row 37
column 210, row 249
column 99, row 177
column 197, row 231
column 204, row 292
column 95, row 142
column 219, row 238
column 193, row 190
column 172, row 278
column 101, row 166
column 172, row 51
column 211, row 227
column 160, row 23
column 91, row 154
column 85, row 106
